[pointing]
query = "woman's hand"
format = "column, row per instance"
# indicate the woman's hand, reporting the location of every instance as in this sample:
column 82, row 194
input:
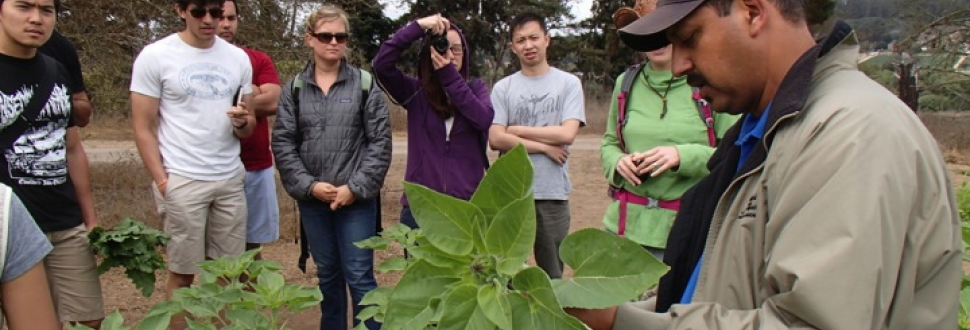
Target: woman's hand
column 627, row 168
column 434, row 24
column 438, row 60
column 657, row 160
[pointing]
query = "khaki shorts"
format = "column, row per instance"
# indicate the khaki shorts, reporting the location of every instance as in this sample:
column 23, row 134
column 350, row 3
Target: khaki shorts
column 207, row 220
column 73, row 277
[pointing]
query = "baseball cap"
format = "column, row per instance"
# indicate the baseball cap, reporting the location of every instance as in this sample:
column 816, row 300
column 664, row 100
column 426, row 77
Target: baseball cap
column 649, row 31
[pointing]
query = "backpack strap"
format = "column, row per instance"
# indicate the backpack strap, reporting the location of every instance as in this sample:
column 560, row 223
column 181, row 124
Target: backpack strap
column 629, row 77
column 5, row 193
column 704, row 108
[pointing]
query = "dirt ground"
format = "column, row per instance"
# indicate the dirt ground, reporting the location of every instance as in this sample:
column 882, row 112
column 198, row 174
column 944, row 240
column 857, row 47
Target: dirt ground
column 121, row 184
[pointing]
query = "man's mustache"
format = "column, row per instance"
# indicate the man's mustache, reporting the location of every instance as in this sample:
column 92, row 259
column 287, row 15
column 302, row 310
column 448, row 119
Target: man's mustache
column 696, row 80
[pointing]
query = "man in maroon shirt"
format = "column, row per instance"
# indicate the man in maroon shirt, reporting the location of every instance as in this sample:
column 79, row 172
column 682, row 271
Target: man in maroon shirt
column 263, row 223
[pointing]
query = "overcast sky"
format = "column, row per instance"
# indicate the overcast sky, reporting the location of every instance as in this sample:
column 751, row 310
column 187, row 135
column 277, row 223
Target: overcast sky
column 580, row 9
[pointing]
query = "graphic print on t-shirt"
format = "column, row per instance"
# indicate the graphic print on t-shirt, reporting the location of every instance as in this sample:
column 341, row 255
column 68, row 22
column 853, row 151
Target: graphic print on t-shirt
column 39, row 155
column 535, row 110
column 207, row 81
column 12, row 106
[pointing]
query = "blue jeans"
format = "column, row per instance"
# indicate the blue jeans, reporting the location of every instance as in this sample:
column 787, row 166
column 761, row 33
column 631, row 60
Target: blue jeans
column 330, row 236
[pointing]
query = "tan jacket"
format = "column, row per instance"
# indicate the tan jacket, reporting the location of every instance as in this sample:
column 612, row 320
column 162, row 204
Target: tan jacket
column 850, row 223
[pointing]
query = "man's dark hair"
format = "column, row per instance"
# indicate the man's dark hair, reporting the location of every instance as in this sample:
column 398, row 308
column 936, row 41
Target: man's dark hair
column 792, row 10
column 234, row 5
column 57, row 5
column 523, row 19
column 184, row 4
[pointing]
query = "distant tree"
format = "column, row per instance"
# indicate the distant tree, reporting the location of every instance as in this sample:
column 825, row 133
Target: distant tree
column 485, row 25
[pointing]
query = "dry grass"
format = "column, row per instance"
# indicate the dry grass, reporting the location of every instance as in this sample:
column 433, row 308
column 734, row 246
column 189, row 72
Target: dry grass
column 118, row 127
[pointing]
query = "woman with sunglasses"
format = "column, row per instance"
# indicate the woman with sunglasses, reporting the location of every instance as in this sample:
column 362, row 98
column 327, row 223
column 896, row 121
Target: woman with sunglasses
column 333, row 149
column 448, row 111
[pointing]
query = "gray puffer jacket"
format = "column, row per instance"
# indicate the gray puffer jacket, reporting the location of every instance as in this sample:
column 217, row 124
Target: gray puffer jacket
column 337, row 140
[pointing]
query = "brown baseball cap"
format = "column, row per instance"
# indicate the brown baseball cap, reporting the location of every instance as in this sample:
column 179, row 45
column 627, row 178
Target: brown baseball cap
column 649, row 32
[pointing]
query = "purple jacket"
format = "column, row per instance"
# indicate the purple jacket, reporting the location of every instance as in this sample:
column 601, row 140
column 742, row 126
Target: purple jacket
column 452, row 164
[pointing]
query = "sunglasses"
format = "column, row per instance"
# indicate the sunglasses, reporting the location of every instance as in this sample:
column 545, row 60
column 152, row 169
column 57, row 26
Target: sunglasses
column 327, row 37
column 198, row 12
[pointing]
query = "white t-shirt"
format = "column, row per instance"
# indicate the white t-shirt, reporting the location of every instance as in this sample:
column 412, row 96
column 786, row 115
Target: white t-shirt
column 195, row 88
column 547, row 100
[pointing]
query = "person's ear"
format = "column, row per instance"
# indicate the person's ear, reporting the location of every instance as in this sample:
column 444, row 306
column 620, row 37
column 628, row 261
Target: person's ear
column 754, row 13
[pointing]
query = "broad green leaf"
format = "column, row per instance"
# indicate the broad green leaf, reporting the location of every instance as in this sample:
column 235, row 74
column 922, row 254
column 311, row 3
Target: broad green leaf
column 398, row 233
column 413, row 294
column 513, row 231
column 271, row 282
column 156, row 321
column 392, row 265
column 195, row 325
column 368, row 313
column 534, row 304
column 377, row 296
column 607, row 270
column 965, row 301
column 451, row 224
column 114, row 321
column 460, row 311
column 507, row 180
column 248, row 319
column 374, row 243
column 495, row 305
column 431, row 254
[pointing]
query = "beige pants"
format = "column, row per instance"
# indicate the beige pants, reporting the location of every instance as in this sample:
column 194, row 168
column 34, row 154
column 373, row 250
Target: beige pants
column 73, row 277
column 207, row 220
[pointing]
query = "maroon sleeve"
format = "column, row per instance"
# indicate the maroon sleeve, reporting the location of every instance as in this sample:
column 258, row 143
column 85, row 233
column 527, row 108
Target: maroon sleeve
column 264, row 72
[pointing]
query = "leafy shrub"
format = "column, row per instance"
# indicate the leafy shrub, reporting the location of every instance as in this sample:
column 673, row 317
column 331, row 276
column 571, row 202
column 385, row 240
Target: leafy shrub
column 224, row 301
column 466, row 266
column 132, row 245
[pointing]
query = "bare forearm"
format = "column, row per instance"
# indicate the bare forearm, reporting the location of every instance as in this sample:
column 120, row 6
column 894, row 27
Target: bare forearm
column 553, row 135
column 77, row 169
column 151, row 155
column 266, row 101
column 504, row 142
column 82, row 109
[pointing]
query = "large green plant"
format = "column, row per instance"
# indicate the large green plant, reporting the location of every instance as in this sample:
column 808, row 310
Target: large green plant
column 467, row 268
column 224, row 301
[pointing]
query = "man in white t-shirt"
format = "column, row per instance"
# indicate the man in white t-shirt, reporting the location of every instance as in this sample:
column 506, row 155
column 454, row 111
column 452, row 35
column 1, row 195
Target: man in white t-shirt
column 187, row 118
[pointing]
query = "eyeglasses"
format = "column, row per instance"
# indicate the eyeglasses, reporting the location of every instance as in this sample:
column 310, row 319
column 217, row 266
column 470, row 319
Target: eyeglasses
column 327, row 37
column 199, row 12
column 457, row 49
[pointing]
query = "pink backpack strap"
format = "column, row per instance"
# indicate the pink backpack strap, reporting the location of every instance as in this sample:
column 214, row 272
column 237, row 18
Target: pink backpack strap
column 621, row 101
column 704, row 108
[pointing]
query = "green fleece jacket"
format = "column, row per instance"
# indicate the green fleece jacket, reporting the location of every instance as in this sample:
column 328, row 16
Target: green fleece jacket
column 681, row 127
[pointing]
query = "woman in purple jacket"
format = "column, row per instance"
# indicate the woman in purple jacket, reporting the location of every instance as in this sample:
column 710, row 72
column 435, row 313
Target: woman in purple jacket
column 449, row 113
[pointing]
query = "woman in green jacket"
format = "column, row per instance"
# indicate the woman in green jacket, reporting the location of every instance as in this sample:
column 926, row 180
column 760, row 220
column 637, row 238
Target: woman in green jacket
column 660, row 149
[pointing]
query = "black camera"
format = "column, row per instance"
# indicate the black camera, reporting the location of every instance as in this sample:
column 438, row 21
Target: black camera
column 440, row 43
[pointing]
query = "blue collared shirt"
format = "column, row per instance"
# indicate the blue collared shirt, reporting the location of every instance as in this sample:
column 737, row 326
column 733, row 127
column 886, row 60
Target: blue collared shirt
column 752, row 130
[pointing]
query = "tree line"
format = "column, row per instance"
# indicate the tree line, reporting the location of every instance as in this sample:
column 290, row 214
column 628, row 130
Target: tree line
column 109, row 33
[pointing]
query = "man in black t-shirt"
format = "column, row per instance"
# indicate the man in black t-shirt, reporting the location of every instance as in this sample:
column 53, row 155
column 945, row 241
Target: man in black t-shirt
column 62, row 50
column 43, row 161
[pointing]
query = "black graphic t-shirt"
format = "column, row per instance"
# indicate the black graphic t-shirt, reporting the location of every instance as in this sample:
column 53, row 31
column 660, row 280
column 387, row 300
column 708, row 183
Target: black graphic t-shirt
column 35, row 112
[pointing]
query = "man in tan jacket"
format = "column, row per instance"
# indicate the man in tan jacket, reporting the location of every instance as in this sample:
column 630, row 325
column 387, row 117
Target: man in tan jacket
column 828, row 205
